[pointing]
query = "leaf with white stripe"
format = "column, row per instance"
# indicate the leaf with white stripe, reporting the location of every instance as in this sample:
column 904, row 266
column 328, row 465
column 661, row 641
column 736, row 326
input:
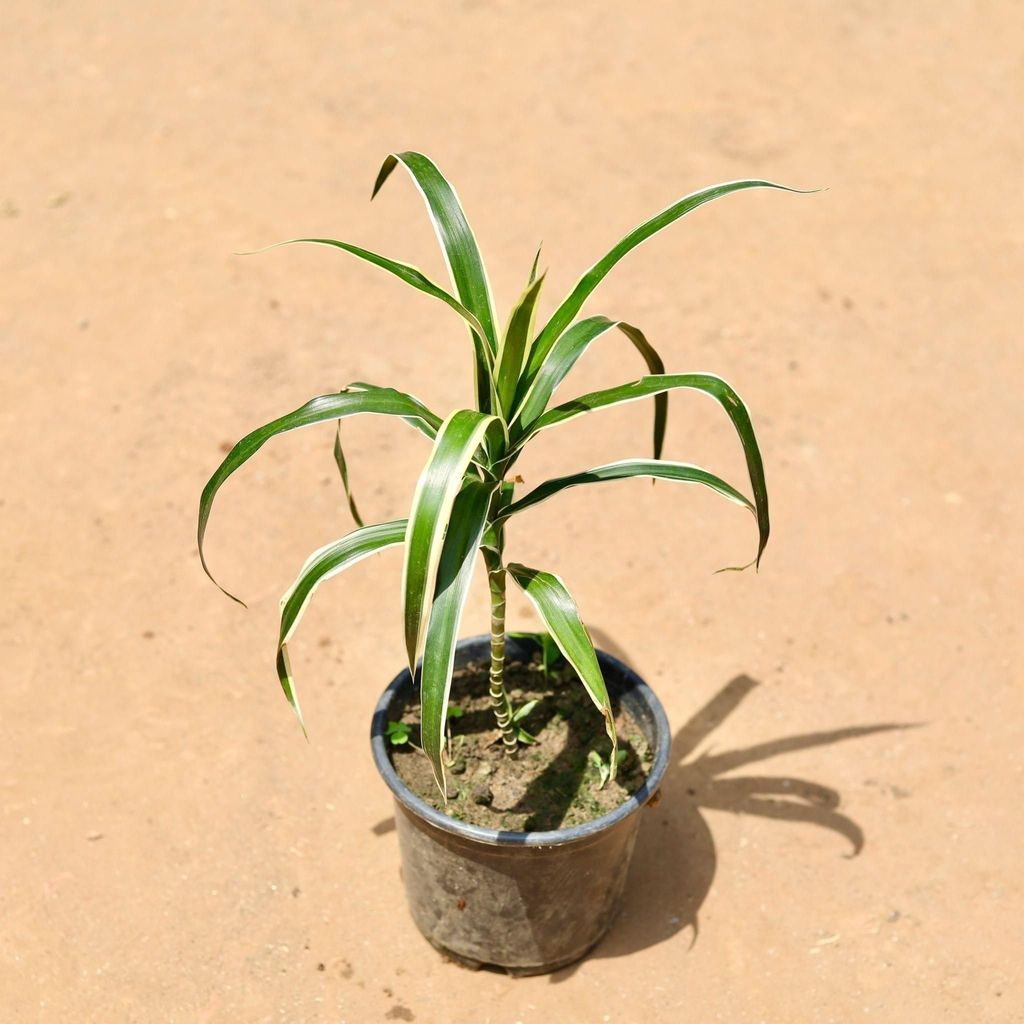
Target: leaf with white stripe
column 515, row 347
column 566, row 312
column 355, row 400
column 658, row 384
column 324, row 563
column 483, row 355
column 403, row 271
column 340, row 462
column 558, row 611
column 564, row 356
column 457, row 441
column 461, row 253
column 679, row 472
column 455, row 570
column 536, row 260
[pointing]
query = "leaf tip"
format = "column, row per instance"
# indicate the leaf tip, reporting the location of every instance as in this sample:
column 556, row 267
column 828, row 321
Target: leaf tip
column 226, row 593
column 440, row 780
column 383, row 174
column 262, row 249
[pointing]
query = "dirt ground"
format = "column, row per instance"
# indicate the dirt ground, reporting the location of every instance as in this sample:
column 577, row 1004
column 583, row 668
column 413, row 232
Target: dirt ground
column 170, row 848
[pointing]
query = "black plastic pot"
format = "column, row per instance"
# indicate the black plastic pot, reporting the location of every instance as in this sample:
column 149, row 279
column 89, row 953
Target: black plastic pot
column 529, row 902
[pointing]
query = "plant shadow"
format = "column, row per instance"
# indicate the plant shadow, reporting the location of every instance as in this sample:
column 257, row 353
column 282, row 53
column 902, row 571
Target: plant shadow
column 675, row 860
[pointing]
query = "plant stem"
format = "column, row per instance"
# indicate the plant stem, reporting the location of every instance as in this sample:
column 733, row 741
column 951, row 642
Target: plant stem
column 500, row 704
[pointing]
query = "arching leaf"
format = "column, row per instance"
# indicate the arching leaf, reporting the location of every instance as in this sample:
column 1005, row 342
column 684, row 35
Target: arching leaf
column 558, row 611
column 680, row 472
column 461, row 253
column 563, row 357
column 324, row 563
column 483, row 361
column 566, row 312
column 357, row 399
column 659, row 384
column 339, row 461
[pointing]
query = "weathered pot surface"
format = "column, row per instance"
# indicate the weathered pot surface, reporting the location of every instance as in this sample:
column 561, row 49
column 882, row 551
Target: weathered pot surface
column 528, row 902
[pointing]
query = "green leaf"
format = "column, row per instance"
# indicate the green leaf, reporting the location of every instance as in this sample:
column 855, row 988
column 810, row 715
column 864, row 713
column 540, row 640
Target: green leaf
column 656, row 366
column 536, row 260
column 681, row 472
column 465, row 264
column 454, row 572
column 515, row 347
column 354, row 400
column 398, row 733
column 566, row 312
column 324, row 563
column 523, row 710
column 706, row 383
column 549, row 653
column 339, row 458
column 604, row 768
column 457, row 440
column 564, row 356
column 483, row 363
column 493, row 542
column 557, row 610
column 403, row 271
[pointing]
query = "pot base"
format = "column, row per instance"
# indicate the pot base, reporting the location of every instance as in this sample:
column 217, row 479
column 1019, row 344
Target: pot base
column 513, row 972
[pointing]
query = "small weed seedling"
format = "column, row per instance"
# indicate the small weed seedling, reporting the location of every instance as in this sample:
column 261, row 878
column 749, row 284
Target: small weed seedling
column 606, row 769
column 398, row 734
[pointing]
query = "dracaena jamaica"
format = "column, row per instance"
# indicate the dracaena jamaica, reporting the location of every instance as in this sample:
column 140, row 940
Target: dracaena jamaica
column 465, row 498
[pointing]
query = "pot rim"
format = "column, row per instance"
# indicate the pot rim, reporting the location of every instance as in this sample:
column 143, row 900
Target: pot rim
column 507, row 837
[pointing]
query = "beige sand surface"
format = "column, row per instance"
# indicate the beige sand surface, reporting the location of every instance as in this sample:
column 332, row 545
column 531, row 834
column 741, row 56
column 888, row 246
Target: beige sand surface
column 170, row 848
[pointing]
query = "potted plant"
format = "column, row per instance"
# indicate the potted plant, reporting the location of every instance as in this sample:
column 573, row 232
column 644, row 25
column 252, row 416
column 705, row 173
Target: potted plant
column 528, row 879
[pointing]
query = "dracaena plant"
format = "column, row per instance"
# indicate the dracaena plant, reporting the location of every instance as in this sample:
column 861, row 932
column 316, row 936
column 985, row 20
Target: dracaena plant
column 464, row 499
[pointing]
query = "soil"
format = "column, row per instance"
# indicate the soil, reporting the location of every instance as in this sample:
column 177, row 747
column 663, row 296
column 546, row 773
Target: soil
column 549, row 784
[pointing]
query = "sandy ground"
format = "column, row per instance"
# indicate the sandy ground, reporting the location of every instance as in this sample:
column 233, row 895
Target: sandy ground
column 170, row 848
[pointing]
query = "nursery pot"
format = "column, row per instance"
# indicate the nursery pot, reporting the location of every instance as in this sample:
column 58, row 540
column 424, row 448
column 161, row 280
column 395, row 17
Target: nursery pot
column 528, row 902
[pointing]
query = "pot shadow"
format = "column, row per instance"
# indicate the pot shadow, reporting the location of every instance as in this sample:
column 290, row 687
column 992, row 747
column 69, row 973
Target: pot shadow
column 675, row 860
